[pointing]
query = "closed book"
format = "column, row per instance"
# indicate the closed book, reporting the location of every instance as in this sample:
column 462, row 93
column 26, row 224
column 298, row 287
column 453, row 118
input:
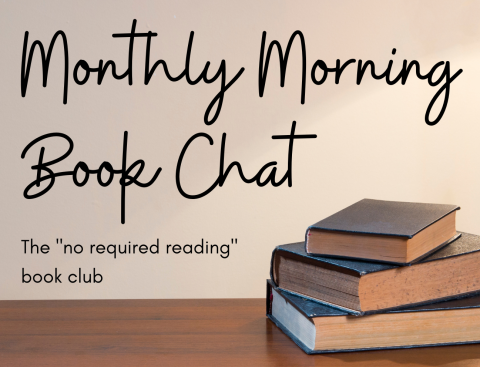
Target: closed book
column 387, row 231
column 321, row 329
column 362, row 287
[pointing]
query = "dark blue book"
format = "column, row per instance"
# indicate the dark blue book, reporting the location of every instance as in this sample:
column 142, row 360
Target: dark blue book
column 317, row 328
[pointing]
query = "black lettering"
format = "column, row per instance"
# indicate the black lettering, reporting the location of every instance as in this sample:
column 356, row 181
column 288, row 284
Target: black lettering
column 223, row 173
column 25, row 73
column 319, row 64
column 263, row 69
column 112, row 250
column 155, row 245
column 57, row 277
column 126, row 178
column 25, row 275
column 95, row 275
column 225, row 253
column 45, row 278
column 84, row 65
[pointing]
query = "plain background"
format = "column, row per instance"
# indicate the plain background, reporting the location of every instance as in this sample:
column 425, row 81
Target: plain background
column 372, row 139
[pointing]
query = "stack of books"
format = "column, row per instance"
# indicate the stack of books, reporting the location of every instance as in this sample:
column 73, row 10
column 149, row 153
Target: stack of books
column 378, row 275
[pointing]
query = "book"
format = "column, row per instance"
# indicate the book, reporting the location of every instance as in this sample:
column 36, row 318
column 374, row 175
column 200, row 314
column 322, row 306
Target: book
column 362, row 287
column 317, row 328
column 386, row 231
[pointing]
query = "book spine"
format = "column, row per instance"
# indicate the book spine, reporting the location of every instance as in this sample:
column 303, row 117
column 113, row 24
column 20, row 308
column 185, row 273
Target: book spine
column 269, row 297
column 272, row 261
column 306, row 238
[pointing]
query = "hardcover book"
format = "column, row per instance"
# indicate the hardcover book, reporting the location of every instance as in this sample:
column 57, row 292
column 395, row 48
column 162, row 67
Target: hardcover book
column 321, row 329
column 386, row 231
column 361, row 287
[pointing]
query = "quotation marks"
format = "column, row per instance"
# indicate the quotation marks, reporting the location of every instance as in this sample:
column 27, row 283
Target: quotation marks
column 59, row 243
column 234, row 241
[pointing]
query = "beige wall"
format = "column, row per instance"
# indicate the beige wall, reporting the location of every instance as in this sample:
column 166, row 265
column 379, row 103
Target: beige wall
column 372, row 139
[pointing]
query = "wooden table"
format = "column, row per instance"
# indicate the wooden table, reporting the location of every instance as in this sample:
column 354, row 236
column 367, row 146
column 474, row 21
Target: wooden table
column 233, row 332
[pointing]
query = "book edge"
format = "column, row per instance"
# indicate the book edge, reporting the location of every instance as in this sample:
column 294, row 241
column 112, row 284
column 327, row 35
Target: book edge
column 413, row 262
column 312, row 351
column 398, row 309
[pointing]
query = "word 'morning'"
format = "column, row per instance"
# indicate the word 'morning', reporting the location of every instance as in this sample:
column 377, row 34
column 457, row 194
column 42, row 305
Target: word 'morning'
column 320, row 71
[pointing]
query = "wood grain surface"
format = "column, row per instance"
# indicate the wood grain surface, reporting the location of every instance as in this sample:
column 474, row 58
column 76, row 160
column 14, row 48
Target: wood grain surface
column 233, row 332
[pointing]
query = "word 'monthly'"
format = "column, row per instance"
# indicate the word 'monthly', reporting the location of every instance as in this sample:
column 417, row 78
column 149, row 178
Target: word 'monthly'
column 82, row 70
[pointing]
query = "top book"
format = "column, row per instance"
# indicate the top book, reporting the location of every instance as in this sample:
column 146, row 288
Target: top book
column 387, row 231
